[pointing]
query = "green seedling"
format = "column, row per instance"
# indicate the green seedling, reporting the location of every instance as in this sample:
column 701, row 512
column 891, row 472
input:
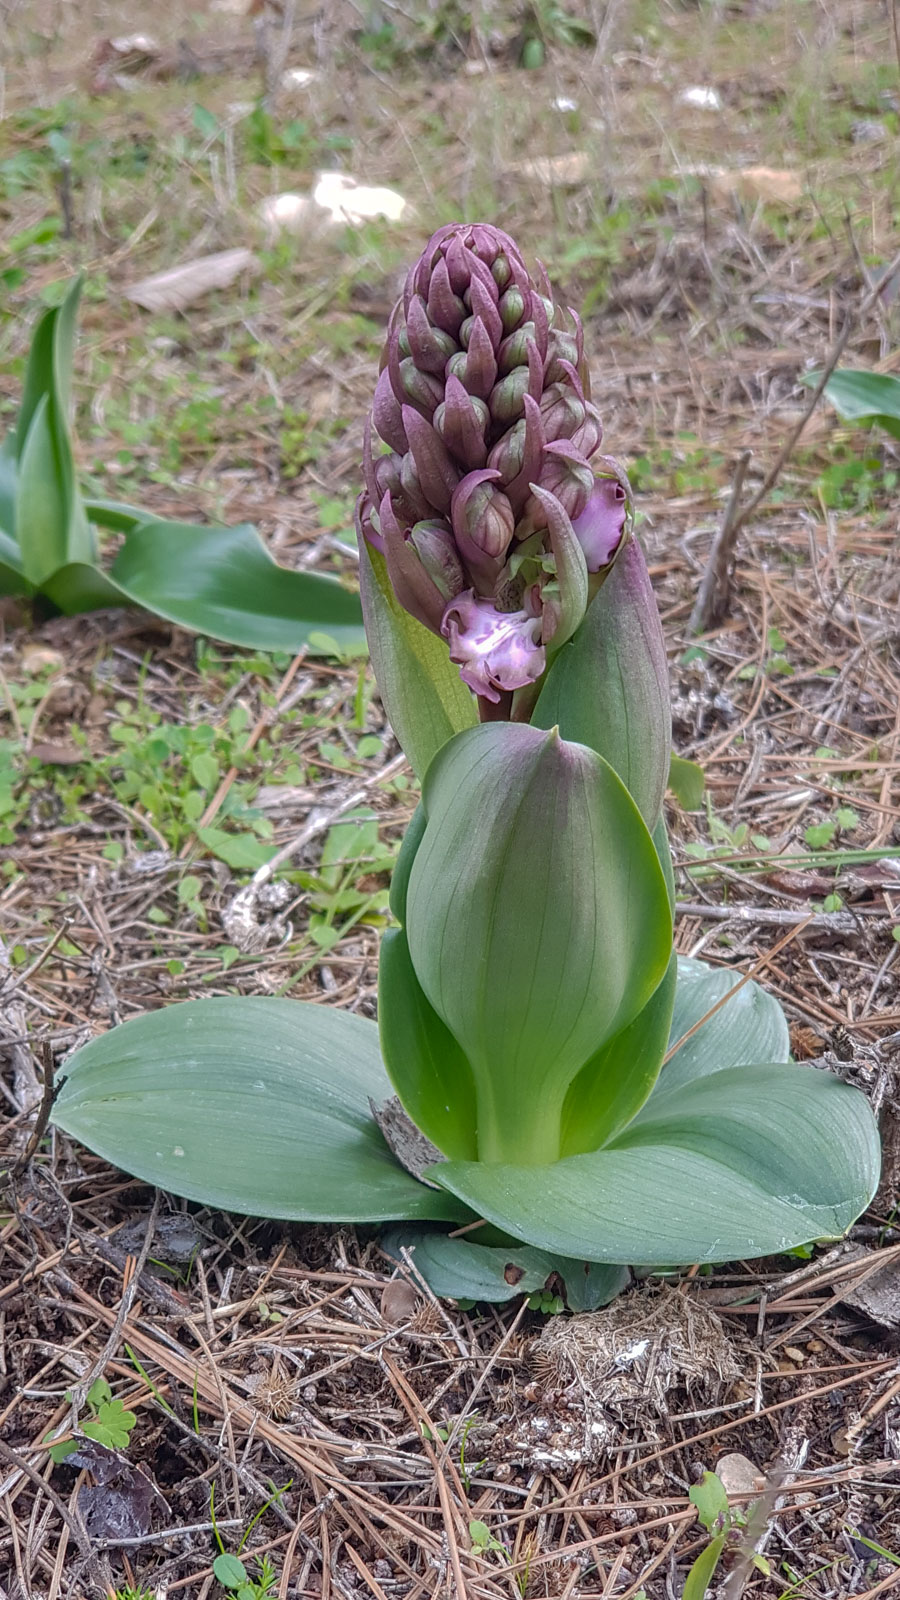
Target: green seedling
column 109, row 1424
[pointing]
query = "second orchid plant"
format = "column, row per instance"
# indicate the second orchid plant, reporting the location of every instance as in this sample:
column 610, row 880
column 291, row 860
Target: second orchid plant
column 543, row 1065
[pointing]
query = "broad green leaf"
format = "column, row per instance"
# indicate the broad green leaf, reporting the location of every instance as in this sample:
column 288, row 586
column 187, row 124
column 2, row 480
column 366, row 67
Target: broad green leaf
column 12, row 579
column 591, row 1284
column 221, row 582
column 80, row 586
column 459, row 1270
column 686, row 782
column 259, row 1106
column 465, row 1270
column 423, row 695
column 863, row 397
column 403, row 866
column 538, row 921
column 118, row 516
column 425, row 1064
column 38, row 382
column 9, row 550
column 746, row 1162
column 51, row 528
column 750, row 1027
column 609, row 686
column 611, row 1088
column 700, row 1576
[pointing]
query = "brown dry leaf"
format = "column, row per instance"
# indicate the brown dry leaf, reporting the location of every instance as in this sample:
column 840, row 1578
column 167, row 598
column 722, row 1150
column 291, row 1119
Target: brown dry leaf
column 55, row 753
column 574, row 168
column 774, row 185
column 178, row 287
column 399, row 1301
column 878, row 1296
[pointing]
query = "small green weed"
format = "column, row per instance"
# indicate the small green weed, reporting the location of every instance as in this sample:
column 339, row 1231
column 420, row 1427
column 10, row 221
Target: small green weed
column 230, row 1570
column 109, row 1423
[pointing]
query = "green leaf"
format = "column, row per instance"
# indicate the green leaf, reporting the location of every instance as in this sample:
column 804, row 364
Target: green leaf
column 700, row 1576
column 259, row 1106
column 745, row 1162
column 462, row 1269
column 538, row 921
column 687, row 782
column 61, row 1452
column 459, row 1270
column 609, row 687
column 49, row 368
column 9, row 550
column 423, row 695
column 223, row 582
column 611, row 1088
column 863, row 397
column 51, row 528
column 749, row 1028
column 426, row 1065
column 243, row 852
column 99, row 1393
column 710, row 1498
column 114, row 514
column 229, row 1571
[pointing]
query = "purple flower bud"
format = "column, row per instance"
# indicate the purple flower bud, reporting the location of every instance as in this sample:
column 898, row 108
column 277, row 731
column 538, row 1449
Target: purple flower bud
column 445, row 308
column 462, row 422
column 517, row 456
column 386, row 414
column 480, row 371
column 562, row 412
column 482, row 515
column 600, row 526
column 495, row 650
column 433, row 543
column 430, row 347
column 589, row 436
column 484, row 307
column 512, row 308
column 410, row 580
column 415, row 387
column 434, row 468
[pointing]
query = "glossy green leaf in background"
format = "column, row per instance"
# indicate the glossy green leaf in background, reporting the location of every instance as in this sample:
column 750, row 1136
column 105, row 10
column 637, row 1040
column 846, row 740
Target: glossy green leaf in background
column 423, row 695
column 609, row 686
column 538, row 921
column 255, row 1105
column 863, row 397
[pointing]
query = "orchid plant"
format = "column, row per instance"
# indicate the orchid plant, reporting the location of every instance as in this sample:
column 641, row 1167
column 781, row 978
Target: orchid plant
column 544, row 1070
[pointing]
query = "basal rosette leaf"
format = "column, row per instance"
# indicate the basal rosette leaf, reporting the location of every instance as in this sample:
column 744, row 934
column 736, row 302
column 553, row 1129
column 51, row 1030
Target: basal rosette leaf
column 256, row 1105
column 538, row 921
column 727, row 1159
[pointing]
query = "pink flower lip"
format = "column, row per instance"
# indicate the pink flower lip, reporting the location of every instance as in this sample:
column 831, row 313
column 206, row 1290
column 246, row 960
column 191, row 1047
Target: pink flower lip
column 495, row 650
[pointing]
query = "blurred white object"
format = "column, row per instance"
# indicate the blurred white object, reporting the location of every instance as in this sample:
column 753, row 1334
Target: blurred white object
column 336, row 200
column 298, row 78
column 701, row 97
column 563, row 103
column 349, row 201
